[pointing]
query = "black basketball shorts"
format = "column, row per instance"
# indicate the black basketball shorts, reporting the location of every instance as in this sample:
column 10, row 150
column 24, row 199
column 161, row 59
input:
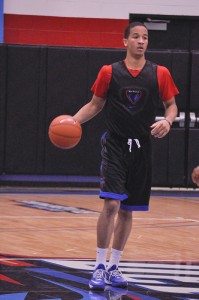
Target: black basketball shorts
column 125, row 172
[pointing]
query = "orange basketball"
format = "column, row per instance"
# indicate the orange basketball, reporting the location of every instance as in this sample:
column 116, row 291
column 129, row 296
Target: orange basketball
column 64, row 132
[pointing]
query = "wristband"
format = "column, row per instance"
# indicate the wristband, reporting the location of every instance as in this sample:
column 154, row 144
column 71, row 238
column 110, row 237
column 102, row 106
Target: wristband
column 168, row 121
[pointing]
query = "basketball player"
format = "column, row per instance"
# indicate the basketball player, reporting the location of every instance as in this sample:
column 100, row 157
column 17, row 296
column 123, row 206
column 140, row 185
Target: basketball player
column 195, row 175
column 129, row 92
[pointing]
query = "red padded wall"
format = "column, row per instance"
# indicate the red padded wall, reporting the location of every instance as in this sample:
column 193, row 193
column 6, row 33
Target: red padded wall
column 80, row 32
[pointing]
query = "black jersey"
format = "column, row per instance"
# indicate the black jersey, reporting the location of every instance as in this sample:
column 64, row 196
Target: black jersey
column 132, row 101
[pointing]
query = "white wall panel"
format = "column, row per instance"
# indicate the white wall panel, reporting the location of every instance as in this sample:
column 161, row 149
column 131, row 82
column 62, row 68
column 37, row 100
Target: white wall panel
column 113, row 9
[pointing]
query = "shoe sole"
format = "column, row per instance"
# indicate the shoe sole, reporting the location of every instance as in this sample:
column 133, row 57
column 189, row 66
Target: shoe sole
column 121, row 285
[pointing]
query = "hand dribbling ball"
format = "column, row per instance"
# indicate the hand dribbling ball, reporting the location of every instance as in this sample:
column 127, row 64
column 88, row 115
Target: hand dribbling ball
column 64, row 132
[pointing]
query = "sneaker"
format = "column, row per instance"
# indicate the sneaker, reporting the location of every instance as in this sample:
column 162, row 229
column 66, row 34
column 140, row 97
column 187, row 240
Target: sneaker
column 114, row 277
column 97, row 280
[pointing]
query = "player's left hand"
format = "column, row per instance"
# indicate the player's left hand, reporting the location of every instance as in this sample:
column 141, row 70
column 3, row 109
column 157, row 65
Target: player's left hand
column 160, row 128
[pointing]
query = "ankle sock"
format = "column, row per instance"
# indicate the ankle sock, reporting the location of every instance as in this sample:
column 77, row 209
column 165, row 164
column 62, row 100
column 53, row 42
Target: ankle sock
column 114, row 258
column 101, row 254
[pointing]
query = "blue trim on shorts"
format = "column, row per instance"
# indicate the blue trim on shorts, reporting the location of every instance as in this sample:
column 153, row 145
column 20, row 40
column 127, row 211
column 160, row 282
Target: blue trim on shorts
column 134, row 208
column 113, row 196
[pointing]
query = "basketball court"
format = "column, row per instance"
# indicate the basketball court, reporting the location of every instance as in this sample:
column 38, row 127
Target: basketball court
column 48, row 242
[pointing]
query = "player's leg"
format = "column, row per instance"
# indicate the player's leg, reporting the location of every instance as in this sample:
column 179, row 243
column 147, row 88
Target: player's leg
column 105, row 227
column 121, row 233
column 112, row 190
column 122, row 230
column 138, row 187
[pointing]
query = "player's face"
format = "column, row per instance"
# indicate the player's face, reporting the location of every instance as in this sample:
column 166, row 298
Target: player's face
column 137, row 41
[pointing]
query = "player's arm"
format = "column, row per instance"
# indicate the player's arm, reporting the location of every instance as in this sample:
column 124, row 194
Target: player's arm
column 167, row 90
column 171, row 110
column 89, row 110
column 162, row 127
column 99, row 89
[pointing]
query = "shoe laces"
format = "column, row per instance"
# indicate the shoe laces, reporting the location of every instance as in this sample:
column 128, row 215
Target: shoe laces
column 116, row 273
column 99, row 274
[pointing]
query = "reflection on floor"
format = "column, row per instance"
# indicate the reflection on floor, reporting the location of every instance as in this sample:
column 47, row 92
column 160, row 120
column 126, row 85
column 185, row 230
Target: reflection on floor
column 57, row 279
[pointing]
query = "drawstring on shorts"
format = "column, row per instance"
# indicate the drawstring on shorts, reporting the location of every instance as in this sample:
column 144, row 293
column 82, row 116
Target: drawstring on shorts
column 130, row 142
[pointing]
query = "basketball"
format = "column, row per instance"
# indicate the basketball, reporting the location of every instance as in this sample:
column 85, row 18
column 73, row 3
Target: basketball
column 64, row 132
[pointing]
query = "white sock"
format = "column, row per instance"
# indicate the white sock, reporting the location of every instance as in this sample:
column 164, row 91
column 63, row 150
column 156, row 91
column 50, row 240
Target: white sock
column 114, row 258
column 101, row 254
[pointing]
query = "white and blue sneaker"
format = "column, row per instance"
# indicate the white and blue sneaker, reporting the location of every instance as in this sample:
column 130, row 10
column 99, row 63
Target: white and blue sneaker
column 114, row 277
column 97, row 281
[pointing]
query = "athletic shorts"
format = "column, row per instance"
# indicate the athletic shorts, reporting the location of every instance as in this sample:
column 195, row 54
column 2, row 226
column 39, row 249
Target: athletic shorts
column 125, row 172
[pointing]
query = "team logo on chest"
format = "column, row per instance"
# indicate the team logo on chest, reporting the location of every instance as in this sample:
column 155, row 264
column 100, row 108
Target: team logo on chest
column 133, row 95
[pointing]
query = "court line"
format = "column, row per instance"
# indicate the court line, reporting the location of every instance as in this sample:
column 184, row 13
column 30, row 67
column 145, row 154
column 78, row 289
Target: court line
column 177, row 219
column 165, row 192
column 94, row 228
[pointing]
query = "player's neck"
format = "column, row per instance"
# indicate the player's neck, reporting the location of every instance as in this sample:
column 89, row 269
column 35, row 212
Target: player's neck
column 135, row 63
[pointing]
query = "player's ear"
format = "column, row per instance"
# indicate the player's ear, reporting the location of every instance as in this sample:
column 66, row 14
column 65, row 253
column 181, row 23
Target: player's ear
column 125, row 42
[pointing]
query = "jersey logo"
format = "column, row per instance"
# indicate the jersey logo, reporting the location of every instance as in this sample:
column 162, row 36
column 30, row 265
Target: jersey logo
column 133, row 96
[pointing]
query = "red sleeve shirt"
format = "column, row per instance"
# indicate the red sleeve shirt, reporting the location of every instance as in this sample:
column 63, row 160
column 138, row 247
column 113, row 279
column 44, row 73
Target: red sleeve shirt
column 167, row 87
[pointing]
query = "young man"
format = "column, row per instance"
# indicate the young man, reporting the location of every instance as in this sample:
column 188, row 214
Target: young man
column 129, row 92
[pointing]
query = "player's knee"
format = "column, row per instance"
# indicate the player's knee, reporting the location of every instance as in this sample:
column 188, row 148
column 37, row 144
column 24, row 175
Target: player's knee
column 125, row 214
column 111, row 207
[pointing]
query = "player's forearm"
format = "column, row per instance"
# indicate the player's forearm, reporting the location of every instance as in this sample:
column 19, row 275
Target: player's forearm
column 85, row 114
column 171, row 112
column 89, row 110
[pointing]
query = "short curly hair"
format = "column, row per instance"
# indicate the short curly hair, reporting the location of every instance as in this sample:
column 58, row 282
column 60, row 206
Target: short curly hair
column 132, row 25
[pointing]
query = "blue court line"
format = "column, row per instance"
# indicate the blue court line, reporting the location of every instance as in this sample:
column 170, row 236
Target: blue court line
column 15, row 178
column 49, row 178
column 21, row 190
column 86, row 191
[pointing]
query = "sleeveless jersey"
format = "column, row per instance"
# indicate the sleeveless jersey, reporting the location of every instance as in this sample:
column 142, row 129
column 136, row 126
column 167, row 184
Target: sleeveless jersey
column 132, row 102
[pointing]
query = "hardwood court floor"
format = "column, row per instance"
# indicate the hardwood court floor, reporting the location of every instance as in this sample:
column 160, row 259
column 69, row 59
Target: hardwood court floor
column 35, row 224
column 42, row 227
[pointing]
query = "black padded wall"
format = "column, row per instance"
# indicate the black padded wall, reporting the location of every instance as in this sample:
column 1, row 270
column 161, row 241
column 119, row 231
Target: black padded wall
column 194, row 97
column 3, row 76
column 177, row 158
column 194, row 41
column 66, row 85
column 193, row 136
column 23, row 69
column 160, row 156
column 168, row 156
